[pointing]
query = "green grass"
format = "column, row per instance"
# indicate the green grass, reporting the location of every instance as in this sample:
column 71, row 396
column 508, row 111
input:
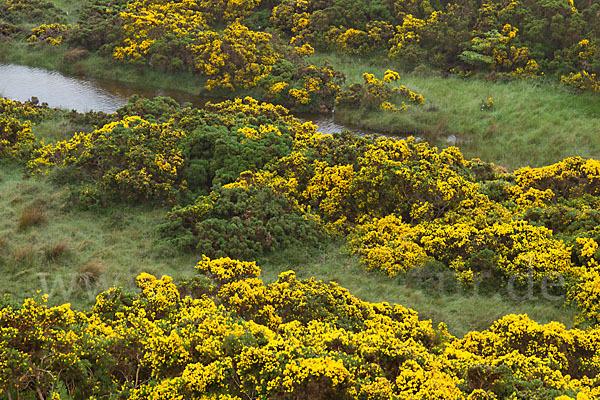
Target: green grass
column 54, row 254
column 532, row 122
column 461, row 311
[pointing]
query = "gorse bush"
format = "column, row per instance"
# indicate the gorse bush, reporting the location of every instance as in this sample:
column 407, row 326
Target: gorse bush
column 51, row 34
column 212, row 39
column 16, row 139
column 30, row 12
column 131, row 159
column 387, row 244
column 510, row 39
column 288, row 339
column 99, row 27
column 243, row 45
column 240, row 220
column 25, row 111
column 177, row 36
column 8, row 31
column 145, row 156
column 375, row 177
column 378, row 93
column 157, row 109
column 301, row 85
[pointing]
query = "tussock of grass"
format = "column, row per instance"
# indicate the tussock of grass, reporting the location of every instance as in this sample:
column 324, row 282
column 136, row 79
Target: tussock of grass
column 90, row 273
column 56, row 251
column 24, row 256
column 32, row 216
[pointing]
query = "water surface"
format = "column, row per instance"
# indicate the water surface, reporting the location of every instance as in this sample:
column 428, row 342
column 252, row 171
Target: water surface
column 21, row 83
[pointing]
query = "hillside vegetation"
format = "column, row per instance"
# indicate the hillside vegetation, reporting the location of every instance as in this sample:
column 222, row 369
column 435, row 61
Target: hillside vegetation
column 402, row 206
column 527, row 60
column 96, row 206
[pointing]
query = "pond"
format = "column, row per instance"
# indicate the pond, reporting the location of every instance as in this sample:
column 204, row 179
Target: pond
column 21, row 83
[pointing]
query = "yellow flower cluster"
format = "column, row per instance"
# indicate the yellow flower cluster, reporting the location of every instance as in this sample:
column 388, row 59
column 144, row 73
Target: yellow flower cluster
column 571, row 177
column 379, row 93
column 487, row 104
column 390, row 76
column 226, row 270
column 497, row 51
column 387, row 244
column 305, row 50
column 132, row 157
column 16, row 139
column 51, row 34
column 145, row 22
column 375, row 37
column 238, row 58
column 522, row 250
column 389, row 107
column 409, row 32
column 300, row 95
column 24, row 111
column 582, row 80
column 180, row 30
column 352, row 41
column 251, row 109
column 277, row 88
column 412, row 96
column 379, row 89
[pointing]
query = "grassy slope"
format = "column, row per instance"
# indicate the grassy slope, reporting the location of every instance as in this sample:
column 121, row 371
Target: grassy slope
column 74, row 247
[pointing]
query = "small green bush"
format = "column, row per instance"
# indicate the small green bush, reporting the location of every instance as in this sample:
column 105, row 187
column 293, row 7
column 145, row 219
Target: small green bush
column 240, row 222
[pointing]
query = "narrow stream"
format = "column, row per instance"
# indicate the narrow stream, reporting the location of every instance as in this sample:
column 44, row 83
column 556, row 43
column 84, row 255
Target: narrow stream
column 21, row 83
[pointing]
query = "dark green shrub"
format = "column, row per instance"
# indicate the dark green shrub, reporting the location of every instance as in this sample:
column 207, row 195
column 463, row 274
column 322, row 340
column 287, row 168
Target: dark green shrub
column 157, row 109
column 240, row 222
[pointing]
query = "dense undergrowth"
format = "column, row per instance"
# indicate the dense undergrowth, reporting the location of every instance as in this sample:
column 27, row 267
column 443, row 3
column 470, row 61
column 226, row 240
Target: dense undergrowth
column 524, row 105
column 293, row 338
column 245, row 179
column 266, row 42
